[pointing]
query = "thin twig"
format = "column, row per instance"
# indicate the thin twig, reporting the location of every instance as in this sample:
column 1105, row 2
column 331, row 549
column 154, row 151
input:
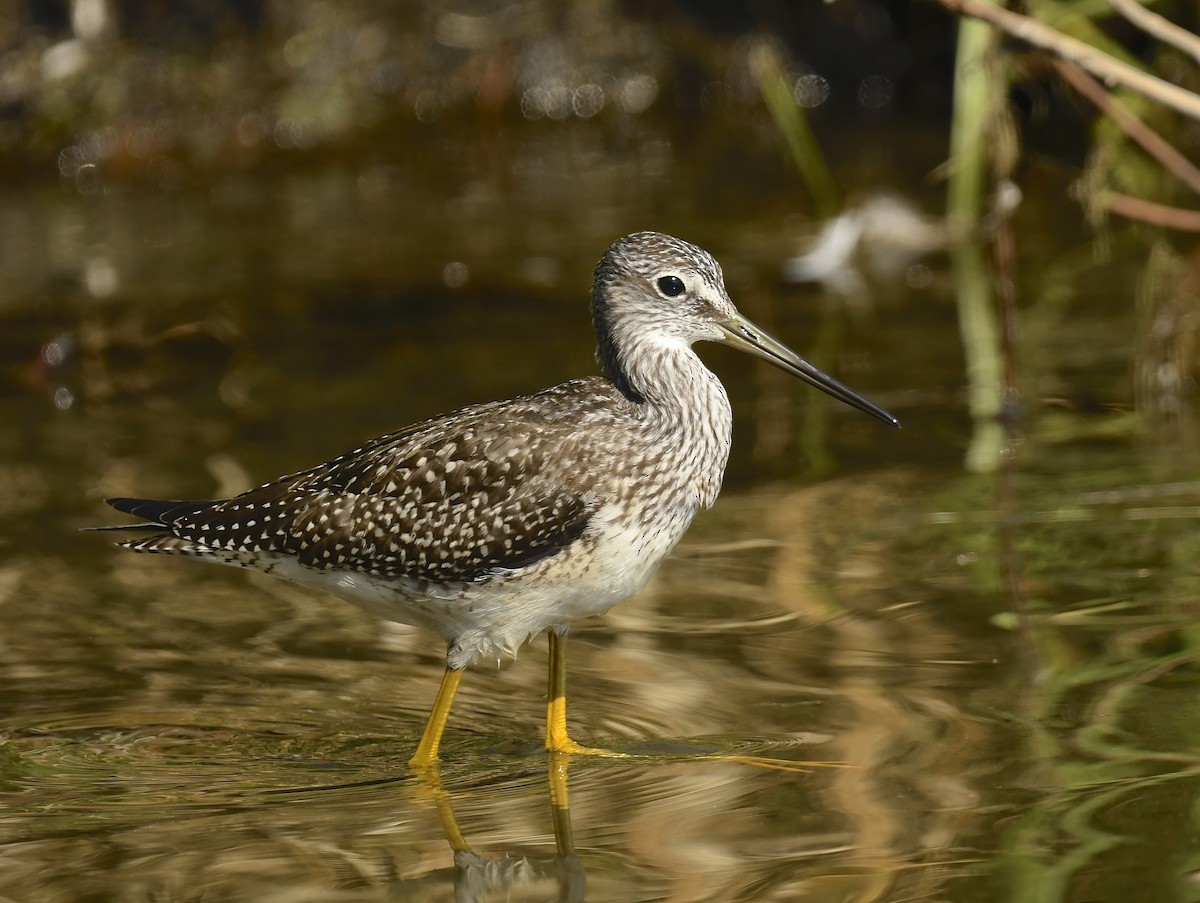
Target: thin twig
column 1149, row 212
column 1149, row 140
column 1110, row 71
column 1158, row 27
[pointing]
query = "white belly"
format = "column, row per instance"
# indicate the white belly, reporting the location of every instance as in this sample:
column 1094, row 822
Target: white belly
column 491, row 618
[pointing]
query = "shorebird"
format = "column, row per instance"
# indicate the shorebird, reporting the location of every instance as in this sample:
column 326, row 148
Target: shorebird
column 499, row 521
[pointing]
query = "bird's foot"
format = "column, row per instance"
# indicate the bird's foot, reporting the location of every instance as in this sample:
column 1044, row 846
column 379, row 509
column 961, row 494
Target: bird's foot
column 566, row 746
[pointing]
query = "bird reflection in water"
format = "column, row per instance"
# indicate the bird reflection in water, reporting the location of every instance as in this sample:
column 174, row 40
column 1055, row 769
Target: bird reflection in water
column 480, row 876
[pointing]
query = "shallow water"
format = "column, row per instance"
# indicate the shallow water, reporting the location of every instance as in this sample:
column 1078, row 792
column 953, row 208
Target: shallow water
column 865, row 675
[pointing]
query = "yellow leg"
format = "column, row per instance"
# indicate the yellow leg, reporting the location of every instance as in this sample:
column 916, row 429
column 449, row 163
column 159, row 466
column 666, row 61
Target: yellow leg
column 557, row 740
column 427, row 750
column 556, row 697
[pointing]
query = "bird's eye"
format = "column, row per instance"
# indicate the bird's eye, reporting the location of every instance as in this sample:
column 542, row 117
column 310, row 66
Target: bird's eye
column 671, row 286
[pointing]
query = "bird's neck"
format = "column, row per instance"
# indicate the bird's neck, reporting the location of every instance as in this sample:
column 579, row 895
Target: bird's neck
column 646, row 365
column 677, row 396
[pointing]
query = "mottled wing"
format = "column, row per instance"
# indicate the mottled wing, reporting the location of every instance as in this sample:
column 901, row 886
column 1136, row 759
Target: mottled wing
column 451, row 500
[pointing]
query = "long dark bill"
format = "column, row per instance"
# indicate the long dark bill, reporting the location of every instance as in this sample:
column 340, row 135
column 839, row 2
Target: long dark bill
column 745, row 336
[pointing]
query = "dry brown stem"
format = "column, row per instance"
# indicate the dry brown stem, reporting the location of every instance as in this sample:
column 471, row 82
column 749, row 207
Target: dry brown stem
column 1148, row 139
column 1150, row 212
column 1109, row 70
column 1158, row 27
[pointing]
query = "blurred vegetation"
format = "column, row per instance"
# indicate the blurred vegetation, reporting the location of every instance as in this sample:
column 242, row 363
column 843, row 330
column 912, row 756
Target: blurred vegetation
column 144, row 88
column 1138, row 70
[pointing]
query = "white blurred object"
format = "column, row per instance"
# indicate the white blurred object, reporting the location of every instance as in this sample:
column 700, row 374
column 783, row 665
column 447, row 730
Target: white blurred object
column 90, row 21
column 89, row 18
column 876, row 241
column 64, row 59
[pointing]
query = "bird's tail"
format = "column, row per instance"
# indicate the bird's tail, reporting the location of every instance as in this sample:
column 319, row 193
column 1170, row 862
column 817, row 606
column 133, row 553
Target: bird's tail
column 158, row 517
column 155, row 512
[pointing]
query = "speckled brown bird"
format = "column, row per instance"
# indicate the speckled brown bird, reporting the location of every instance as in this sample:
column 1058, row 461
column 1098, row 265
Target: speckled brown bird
column 499, row 521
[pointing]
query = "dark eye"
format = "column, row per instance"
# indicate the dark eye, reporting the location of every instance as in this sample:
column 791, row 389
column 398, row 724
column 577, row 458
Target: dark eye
column 671, row 286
